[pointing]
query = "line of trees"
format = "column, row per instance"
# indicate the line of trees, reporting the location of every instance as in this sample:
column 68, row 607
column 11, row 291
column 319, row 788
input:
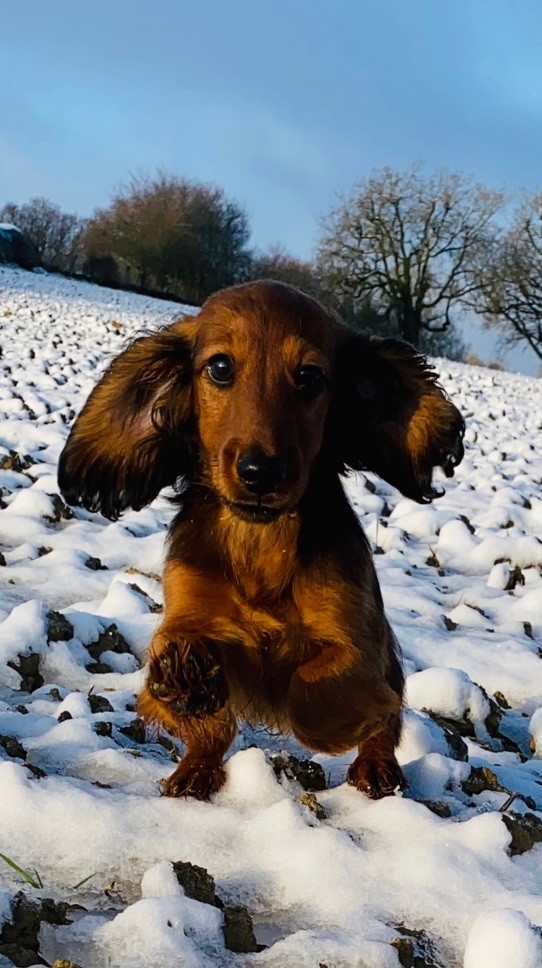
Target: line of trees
column 56, row 234
column 404, row 253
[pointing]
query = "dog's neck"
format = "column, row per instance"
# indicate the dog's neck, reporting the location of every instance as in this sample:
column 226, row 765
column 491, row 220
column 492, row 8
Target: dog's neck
column 262, row 559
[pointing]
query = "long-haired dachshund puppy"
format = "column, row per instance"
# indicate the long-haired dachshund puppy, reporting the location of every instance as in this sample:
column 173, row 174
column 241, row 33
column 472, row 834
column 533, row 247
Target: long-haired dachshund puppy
column 273, row 611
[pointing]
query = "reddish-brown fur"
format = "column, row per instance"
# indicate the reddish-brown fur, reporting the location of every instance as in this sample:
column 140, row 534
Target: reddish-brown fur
column 272, row 614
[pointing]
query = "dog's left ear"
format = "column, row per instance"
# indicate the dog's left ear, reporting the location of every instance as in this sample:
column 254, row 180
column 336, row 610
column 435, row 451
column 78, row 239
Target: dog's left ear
column 133, row 436
column 390, row 416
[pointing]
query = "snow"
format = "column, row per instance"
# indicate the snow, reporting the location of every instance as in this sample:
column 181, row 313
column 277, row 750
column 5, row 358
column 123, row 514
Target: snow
column 450, row 693
column 462, row 583
column 503, row 938
column 535, row 727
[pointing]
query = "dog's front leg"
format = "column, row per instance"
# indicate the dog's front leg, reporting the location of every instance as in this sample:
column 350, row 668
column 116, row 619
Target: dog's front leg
column 185, row 676
column 200, row 773
column 186, row 691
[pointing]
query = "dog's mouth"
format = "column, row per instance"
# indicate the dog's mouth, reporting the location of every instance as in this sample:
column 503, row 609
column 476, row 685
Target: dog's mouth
column 255, row 513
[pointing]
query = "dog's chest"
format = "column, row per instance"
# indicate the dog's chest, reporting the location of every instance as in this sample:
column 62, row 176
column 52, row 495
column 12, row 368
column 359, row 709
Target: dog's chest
column 273, row 643
column 260, row 669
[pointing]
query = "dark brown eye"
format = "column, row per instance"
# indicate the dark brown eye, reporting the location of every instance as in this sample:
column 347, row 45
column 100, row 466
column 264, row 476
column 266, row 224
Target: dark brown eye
column 310, row 380
column 221, row 369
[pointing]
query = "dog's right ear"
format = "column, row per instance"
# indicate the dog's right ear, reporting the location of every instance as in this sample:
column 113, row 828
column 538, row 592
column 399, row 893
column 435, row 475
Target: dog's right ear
column 389, row 415
column 133, row 436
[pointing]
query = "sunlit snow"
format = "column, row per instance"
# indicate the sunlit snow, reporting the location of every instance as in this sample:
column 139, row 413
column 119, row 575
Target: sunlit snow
column 462, row 583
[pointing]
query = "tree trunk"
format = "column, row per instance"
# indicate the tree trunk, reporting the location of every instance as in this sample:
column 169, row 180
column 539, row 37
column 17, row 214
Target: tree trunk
column 410, row 324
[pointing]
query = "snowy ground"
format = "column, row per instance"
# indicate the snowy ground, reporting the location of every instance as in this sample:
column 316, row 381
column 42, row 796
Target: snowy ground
column 442, row 872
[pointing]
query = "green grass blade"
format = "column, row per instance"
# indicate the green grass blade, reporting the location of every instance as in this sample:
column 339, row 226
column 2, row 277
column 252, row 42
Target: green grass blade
column 35, row 882
column 84, row 881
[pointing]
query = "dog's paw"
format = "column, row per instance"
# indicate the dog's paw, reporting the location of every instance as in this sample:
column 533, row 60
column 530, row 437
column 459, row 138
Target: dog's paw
column 197, row 780
column 188, row 679
column 376, row 777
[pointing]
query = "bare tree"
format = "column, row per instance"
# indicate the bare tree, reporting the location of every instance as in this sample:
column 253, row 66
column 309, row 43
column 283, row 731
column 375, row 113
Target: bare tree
column 55, row 233
column 511, row 292
column 409, row 245
column 175, row 235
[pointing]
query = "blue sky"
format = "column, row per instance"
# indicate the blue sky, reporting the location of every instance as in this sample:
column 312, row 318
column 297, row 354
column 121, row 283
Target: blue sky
column 283, row 103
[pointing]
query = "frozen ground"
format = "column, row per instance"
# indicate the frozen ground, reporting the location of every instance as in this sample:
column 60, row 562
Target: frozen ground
column 443, row 872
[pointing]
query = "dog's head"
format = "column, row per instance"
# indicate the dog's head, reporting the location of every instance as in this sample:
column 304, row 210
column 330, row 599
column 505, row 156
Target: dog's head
column 248, row 396
column 262, row 383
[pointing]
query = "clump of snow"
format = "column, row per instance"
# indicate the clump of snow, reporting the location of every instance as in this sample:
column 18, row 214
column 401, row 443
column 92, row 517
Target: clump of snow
column 502, row 938
column 159, row 930
column 161, row 881
column 79, row 795
column 535, row 727
column 449, row 693
column 420, row 736
column 23, row 631
column 499, row 575
column 76, row 704
column 250, row 780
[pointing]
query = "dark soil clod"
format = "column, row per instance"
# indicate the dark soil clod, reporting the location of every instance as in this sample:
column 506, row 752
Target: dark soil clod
column 526, row 831
column 99, row 704
column 453, row 733
column 61, row 511
column 309, row 800
column 238, row 930
column 414, row 949
column 135, row 731
column 109, row 641
column 99, row 668
column 13, row 747
column 481, row 778
column 59, row 628
column 309, row 775
column 501, row 700
column 94, row 564
column 196, row 882
column 28, row 667
column 19, row 939
column 438, row 807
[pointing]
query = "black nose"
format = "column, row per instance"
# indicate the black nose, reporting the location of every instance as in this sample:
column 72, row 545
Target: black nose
column 261, row 474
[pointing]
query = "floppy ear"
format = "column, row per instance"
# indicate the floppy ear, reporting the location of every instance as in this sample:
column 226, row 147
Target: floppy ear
column 390, row 416
column 133, row 435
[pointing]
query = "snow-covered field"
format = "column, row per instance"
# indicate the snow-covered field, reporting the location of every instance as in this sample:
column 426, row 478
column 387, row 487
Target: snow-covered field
column 449, row 873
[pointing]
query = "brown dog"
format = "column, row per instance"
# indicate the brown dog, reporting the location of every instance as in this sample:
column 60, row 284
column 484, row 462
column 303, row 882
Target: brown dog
column 273, row 611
